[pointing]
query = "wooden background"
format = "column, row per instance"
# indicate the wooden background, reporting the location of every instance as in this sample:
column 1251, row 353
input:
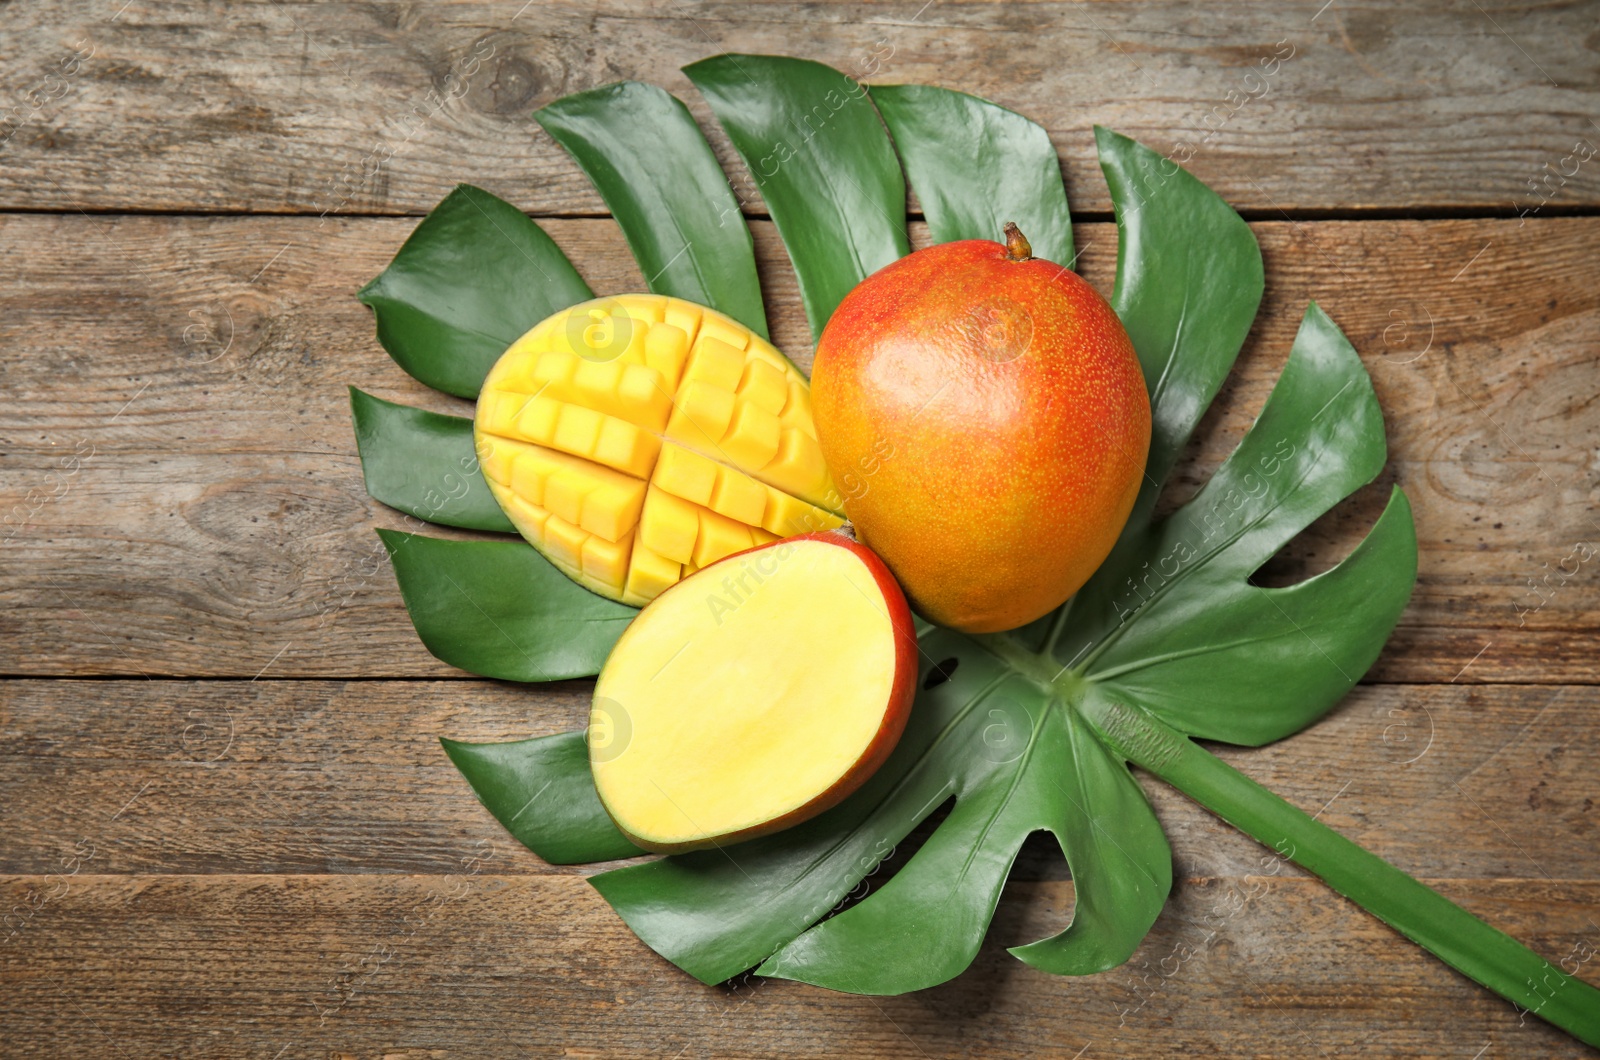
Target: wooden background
column 226, row 828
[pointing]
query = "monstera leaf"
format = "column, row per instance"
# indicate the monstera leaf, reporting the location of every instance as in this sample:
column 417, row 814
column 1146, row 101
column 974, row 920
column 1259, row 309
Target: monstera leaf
column 448, row 330
column 1016, row 733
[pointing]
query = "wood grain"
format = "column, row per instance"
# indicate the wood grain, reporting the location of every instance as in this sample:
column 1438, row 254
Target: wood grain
column 348, row 777
column 291, row 868
column 184, row 496
column 379, row 108
column 262, row 867
column 474, row 963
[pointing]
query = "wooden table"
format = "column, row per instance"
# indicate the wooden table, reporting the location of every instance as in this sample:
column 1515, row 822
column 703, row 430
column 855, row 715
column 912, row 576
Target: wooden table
column 227, row 828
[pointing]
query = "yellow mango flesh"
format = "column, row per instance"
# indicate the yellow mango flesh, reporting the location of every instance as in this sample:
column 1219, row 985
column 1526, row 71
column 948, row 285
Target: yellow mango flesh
column 637, row 438
column 702, row 730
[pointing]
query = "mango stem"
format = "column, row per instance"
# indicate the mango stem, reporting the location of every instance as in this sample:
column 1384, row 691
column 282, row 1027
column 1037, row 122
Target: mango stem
column 1017, row 246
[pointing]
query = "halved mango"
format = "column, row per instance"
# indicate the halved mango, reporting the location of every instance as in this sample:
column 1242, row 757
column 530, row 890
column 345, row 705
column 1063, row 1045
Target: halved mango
column 655, row 433
column 753, row 695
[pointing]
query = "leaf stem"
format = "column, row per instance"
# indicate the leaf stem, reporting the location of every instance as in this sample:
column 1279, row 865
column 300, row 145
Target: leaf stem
column 1038, row 667
column 1057, row 623
column 1418, row 912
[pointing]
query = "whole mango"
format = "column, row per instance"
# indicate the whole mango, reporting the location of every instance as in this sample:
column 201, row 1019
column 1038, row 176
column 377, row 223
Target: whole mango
column 986, row 419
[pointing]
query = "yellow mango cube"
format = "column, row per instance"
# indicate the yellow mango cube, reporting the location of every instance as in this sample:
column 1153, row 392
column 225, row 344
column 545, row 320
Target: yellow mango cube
column 669, row 525
column 529, row 473
column 498, row 412
column 685, row 316
column 601, row 337
column 563, row 541
column 607, row 561
column 536, row 420
column 762, row 350
column 643, row 397
column 714, row 325
column 555, row 368
column 529, row 519
column 495, row 457
column 753, row 437
column 764, row 386
column 665, row 350
column 738, row 496
column 625, row 447
column 685, row 474
column 787, row 516
column 611, row 509
column 714, row 363
column 798, row 468
column 564, row 490
column 646, row 308
column 595, row 384
column 797, row 410
column 702, row 416
column 649, row 574
column 577, row 430
column 719, row 536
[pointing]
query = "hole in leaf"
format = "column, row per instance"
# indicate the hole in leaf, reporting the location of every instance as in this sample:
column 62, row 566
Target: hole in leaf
column 879, row 866
column 1039, row 897
column 886, row 860
column 941, row 672
column 1329, row 539
column 1040, row 858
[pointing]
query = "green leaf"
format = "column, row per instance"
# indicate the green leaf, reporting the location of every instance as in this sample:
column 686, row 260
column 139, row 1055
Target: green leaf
column 1171, row 619
column 819, row 154
column 1006, row 737
column 1015, row 766
column 1122, row 878
column 1049, row 773
column 976, row 165
column 1169, row 640
column 543, row 792
column 1121, row 864
column 1265, row 663
column 661, row 182
column 499, row 609
column 423, row 463
column 474, row 276
column 1189, row 282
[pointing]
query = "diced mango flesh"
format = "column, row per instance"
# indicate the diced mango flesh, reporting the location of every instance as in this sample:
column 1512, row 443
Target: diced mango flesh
column 637, row 438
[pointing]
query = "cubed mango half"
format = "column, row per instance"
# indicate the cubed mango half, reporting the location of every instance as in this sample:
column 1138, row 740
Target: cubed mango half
column 637, row 438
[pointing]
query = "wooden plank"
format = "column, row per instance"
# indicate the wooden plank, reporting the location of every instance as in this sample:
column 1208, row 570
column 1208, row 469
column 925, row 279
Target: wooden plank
column 215, row 522
column 354, row 898
column 348, row 777
column 473, row 963
column 312, row 108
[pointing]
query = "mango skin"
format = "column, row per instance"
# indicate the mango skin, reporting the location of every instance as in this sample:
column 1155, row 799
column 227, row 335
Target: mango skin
column 987, row 422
